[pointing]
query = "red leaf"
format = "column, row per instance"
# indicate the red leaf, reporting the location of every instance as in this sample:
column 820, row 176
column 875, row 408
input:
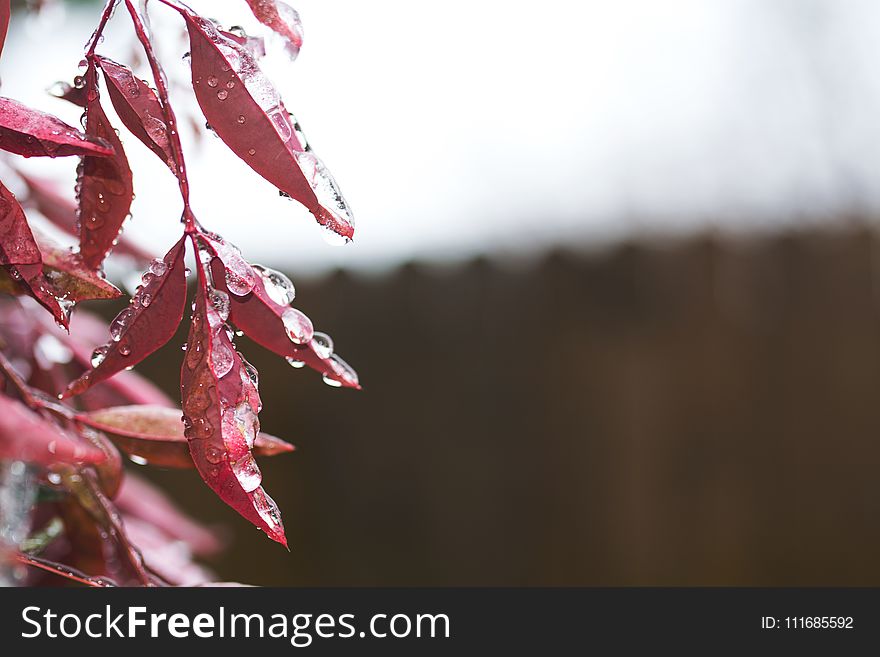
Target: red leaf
column 138, row 107
column 105, row 185
column 68, row 277
column 4, row 21
column 155, row 434
column 26, row 436
column 31, row 133
column 245, row 111
column 259, row 306
column 148, row 323
column 21, row 257
column 61, row 211
column 220, row 406
column 283, row 19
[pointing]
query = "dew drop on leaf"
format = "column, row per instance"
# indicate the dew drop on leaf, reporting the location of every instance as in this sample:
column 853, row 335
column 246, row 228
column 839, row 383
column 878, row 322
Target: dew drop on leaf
column 323, row 344
column 222, row 359
column 294, row 363
column 248, row 473
column 279, row 288
column 298, row 327
column 220, row 303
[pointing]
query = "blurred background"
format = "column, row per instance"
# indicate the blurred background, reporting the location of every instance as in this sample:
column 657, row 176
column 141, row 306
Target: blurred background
column 614, row 296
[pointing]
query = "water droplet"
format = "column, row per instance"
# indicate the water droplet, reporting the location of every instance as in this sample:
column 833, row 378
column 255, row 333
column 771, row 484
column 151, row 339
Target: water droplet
column 252, row 151
column 294, row 363
column 248, row 473
column 340, row 372
column 125, row 347
column 298, row 327
column 240, row 283
column 241, row 119
column 138, row 460
column 120, row 323
column 278, row 287
column 212, row 81
column 329, row 196
column 158, row 267
column 281, row 121
column 333, row 383
column 220, row 302
column 79, row 82
column 98, row 355
column 222, row 359
column 222, row 94
column 230, row 84
column 214, row 454
column 322, row 344
column 146, row 299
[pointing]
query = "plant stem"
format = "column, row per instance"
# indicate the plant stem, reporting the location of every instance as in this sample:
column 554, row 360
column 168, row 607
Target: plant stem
column 170, row 120
column 96, row 35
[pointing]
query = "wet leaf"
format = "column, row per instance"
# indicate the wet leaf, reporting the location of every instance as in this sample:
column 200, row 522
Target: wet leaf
column 246, row 112
column 29, row 132
column 21, row 258
column 220, row 407
column 68, row 276
column 283, row 20
column 105, row 185
column 155, row 434
column 145, row 325
column 61, row 211
column 26, row 436
column 138, row 108
column 259, row 305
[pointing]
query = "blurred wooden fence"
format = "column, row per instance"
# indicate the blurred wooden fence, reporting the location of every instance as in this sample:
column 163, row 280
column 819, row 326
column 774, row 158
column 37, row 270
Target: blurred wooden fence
column 702, row 412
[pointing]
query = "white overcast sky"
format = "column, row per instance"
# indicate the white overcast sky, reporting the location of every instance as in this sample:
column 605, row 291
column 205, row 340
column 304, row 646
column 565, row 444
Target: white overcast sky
column 464, row 127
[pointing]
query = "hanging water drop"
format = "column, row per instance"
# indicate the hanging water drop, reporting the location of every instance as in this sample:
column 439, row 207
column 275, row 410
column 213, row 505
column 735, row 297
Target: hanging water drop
column 322, row 344
column 278, row 287
column 298, row 327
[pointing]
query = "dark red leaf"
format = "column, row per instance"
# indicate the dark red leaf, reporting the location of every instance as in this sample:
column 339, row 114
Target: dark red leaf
column 4, row 22
column 148, row 323
column 105, row 185
column 138, row 107
column 220, row 407
column 281, row 18
column 20, row 256
column 32, row 133
column 259, row 306
column 245, row 111
column 155, row 434
column 75, row 93
column 26, row 436
column 61, row 211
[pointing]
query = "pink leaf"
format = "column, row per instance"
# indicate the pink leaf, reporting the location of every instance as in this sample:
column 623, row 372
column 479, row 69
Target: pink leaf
column 155, row 434
column 138, row 107
column 148, row 323
column 259, row 305
column 220, row 406
column 245, row 111
column 281, row 18
column 26, row 436
column 32, row 133
column 143, row 500
column 105, row 185
column 21, row 257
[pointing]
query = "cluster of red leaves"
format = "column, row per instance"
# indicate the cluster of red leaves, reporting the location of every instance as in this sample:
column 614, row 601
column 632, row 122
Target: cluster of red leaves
column 72, row 434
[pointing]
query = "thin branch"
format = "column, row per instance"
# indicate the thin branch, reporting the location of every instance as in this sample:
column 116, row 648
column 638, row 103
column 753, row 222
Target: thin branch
column 63, row 571
column 170, row 120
